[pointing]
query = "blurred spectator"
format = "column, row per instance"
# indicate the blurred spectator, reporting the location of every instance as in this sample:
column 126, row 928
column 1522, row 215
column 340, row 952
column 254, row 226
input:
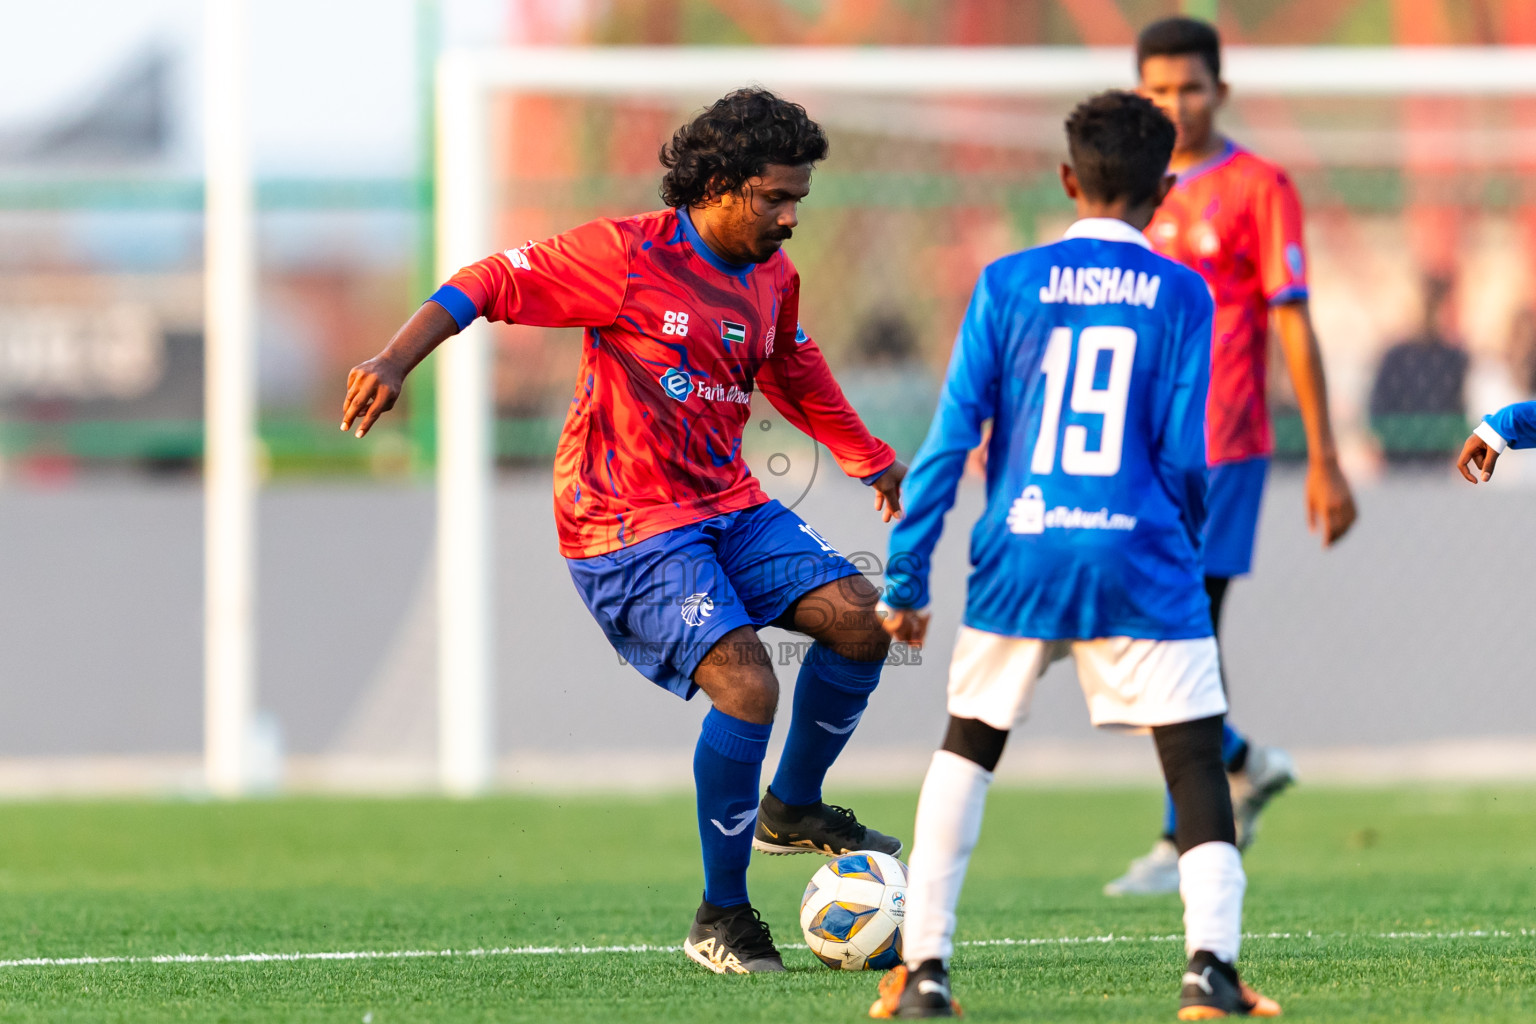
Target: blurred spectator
column 890, row 386
column 1418, row 401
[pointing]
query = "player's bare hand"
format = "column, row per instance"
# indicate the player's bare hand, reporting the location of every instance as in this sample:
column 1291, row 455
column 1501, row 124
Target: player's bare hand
column 888, row 491
column 1330, row 504
column 372, row 388
column 1476, row 453
column 907, row 625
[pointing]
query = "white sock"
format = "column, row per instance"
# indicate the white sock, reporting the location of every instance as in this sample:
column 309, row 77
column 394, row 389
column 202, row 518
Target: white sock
column 948, row 824
column 1211, row 883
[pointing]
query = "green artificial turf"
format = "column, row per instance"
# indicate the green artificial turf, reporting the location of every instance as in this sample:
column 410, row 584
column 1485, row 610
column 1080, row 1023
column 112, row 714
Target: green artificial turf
column 1337, row 870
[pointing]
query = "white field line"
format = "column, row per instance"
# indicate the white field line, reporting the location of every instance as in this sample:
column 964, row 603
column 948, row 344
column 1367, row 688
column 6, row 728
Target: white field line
column 445, row 954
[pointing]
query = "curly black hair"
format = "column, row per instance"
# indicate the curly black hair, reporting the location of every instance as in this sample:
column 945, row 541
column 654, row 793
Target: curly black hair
column 1120, row 145
column 742, row 133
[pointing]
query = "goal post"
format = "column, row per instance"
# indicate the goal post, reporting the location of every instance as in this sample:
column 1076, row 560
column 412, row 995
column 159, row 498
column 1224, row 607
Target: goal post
column 467, row 79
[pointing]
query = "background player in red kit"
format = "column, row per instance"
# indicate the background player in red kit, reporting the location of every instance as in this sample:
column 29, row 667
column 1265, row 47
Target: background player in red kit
column 673, row 545
column 1236, row 219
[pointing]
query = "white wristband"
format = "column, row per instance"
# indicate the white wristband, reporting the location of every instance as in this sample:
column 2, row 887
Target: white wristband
column 1491, row 437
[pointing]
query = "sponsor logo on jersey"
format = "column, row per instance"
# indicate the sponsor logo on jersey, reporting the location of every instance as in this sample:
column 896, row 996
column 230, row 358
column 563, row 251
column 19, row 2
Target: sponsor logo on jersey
column 519, row 257
column 696, row 608
column 735, row 334
column 1028, row 515
column 1101, row 286
column 677, row 384
column 674, row 322
column 712, row 392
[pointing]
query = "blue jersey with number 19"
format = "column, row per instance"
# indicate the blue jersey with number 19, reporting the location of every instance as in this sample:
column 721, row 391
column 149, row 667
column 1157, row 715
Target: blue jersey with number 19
column 1091, row 357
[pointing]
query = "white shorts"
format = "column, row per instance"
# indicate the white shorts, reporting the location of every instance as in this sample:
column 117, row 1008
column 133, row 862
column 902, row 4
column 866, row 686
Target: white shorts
column 1129, row 684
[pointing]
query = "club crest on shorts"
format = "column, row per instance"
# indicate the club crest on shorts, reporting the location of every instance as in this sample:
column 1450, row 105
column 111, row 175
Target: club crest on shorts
column 697, row 608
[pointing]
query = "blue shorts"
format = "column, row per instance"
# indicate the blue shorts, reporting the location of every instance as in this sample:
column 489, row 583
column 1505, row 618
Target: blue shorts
column 667, row 600
column 1232, row 522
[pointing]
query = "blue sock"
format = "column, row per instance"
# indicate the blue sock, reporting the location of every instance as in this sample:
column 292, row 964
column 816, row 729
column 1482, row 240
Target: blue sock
column 1232, row 743
column 727, row 767
column 831, row 693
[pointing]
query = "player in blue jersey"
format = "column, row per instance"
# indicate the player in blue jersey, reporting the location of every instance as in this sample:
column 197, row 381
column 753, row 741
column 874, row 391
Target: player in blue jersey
column 1091, row 358
column 1513, row 426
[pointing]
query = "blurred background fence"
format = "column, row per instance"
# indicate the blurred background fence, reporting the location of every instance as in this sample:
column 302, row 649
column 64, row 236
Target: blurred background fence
column 1378, row 658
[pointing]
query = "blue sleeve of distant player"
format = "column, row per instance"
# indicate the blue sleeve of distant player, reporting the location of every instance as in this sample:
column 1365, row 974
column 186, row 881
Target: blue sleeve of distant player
column 1181, row 446
column 1516, row 424
column 968, row 400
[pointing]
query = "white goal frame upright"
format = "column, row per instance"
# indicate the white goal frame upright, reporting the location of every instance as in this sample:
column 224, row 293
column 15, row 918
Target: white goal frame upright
column 466, row 79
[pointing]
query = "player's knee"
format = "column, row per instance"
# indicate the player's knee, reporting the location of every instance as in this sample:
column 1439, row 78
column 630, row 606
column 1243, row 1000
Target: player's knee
column 869, row 645
column 976, row 741
column 1197, row 781
column 861, row 636
column 758, row 696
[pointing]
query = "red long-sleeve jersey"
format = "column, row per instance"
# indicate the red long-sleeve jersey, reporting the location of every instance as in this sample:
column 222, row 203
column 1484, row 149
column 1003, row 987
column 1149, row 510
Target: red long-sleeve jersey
column 676, row 340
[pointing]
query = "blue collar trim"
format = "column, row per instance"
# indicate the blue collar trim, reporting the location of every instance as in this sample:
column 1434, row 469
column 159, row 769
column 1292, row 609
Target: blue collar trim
column 707, row 254
column 1210, row 163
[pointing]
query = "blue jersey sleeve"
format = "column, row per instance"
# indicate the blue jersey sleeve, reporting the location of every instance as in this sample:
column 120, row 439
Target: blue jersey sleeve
column 1181, row 442
column 1516, row 424
column 968, row 400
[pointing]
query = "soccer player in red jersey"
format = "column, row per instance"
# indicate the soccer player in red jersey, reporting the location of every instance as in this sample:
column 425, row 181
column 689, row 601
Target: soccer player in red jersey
column 1236, row 219
column 671, row 542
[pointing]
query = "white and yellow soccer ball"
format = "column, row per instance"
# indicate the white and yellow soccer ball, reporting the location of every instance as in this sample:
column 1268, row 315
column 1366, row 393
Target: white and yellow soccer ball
column 852, row 911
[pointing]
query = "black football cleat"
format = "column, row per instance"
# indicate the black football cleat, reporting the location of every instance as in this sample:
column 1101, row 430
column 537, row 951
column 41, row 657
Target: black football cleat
column 732, row 940
column 1212, row 990
column 915, row 994
column 817, row 828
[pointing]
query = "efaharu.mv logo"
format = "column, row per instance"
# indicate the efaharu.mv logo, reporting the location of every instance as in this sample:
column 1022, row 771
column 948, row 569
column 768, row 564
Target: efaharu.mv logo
column 677, row 384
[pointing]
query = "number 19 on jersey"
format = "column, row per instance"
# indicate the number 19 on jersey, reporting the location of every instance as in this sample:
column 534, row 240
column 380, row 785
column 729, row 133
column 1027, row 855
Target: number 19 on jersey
column 1108, row 401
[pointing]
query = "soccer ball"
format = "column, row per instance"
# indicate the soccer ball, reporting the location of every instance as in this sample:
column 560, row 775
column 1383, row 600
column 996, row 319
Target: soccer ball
column 852, row 911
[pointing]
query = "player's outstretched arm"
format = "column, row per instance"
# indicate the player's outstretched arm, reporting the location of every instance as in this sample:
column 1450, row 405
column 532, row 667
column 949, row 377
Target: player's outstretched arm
column 1513, row 426
column 1330, row 504
column 576, row 279
column 800, row 385
column 374, row 386
column 967, row 400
